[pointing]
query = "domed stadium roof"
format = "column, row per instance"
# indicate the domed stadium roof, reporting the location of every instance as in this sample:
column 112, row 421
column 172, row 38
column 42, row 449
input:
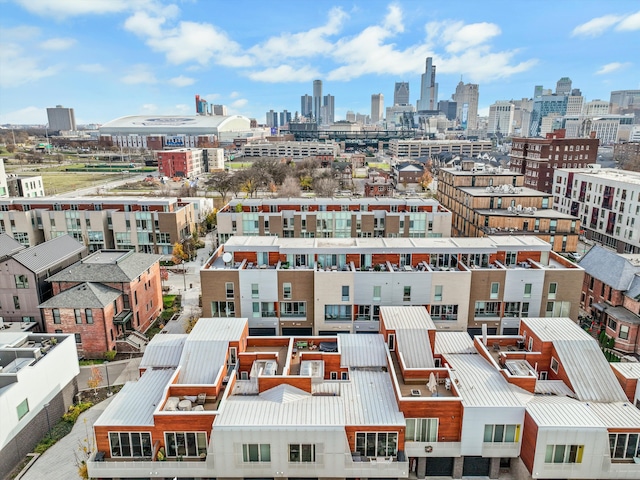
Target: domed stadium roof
column 175, row 125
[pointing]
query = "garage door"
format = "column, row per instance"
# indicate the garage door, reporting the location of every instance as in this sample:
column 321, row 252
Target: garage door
column 296, row 331
column 439, row 467
column 475, row 467
column 262, row 332
column 510, row 331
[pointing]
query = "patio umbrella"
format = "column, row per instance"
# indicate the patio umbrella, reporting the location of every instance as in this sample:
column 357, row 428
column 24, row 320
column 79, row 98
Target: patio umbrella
column 432, row 384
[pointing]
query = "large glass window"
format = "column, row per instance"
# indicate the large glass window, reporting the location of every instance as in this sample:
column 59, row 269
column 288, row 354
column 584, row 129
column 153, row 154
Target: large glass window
column 377, row 289
column 501, row 433
column 444, row 312
column 337, row 312
column 553, row 288
column 377, row 444
column 256, row 452
column 564, row 454
column 437, row 295
column 624, row 445
column 422, row 430
column 293, row 309
column 511, row 309
column 22, row 281
column 130, row 444
column 286, row 291
column 305, row 452
column 487, row 309
column 223, row 309
column 185, row 444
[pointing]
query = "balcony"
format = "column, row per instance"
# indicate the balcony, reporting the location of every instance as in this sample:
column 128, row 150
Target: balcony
column 387, row 467
column 110, row 468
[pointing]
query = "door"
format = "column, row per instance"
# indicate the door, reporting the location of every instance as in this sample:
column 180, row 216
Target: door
column 476, row 467
column 391, row 342
column 439, row 467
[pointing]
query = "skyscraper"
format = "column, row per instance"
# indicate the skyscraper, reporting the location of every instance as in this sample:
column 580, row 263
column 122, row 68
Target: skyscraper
column 61, row 119
column 272, row 118
column 285, row 118
column 328, row 110
column 306, row 106
column 563, row 86
column 501, row 118
column 317, row 100
column 428, row 88
column 377, row 107
column 401, row 93
column 466, row 98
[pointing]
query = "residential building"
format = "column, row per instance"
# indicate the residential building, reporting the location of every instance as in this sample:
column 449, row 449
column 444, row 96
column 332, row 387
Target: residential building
column 323, row 286
column 407, row 173
column 494, row 201
column 575, row 105
column 401, row 93
column 180, row 162
column 378, row 184
column 596, row 107
column 293, row 150
column 606, row 200
column 501, row 118
column 38, row 384
column 25, row 186
column 107, row 300
column 609, row 129
column 610, row 293
column 220, row 110
column 428, row 148
column 628, row 374
column 538, row 158
column 144, row 224
column 61, row 119
column 213, row 159
column 218, row 402
column 333, row 218
column 23, row 283
column 285, row 118
column 377, row 108
column 428, row 88
column 466, row 98
column 4, row 188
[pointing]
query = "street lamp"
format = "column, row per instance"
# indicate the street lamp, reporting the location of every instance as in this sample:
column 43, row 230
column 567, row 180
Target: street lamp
column 106, row 371
column 46, row 410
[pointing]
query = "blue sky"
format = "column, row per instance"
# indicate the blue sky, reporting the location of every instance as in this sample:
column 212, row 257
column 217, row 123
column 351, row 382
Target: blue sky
column 110, row 58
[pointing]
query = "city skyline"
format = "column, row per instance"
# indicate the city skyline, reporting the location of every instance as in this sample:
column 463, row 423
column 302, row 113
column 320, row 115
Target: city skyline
column 152, row 57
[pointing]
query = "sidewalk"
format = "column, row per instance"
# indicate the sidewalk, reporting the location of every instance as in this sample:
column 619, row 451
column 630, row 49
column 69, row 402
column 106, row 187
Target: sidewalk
column 119, row 373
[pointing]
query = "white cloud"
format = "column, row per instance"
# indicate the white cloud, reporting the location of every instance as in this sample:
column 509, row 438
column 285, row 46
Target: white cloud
column 20, row 68
column 57, row 44
column 596, row 26
column 612, row 67
column 241, row 102
column 285, row 73
column 182, row 81
column 234, row 94
column 25, row 116
column 139, row 74
column 147, row 108
column 457, row 36
column 70, row 8
column 91, row 68
column 22, row 33
column 630, row 22
column 182, row 109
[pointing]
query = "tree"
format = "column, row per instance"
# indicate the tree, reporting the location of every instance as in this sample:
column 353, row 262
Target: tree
column 95, row 380
column 59, row 158
column 222, row 182
column 179, row 255
column 289, row 188
column 426, row 180
column 11, row 148
column 325, row 186
column 306, row 182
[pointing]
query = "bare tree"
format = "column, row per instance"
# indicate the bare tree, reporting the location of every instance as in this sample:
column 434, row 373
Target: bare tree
column 325, row 186
column 223, row 183
column 289, row 188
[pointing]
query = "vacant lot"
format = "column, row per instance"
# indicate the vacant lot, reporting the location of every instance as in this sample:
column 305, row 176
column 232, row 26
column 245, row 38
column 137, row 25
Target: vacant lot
column 61, row 182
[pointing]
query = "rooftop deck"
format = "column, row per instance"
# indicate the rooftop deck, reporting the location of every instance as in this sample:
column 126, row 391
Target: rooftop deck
column 417, row 387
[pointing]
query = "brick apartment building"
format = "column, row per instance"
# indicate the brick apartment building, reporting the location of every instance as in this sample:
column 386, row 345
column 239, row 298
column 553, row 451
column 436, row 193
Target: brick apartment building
column 538, row 158
column 494, row 201
column 180, row 162
column 105, row 298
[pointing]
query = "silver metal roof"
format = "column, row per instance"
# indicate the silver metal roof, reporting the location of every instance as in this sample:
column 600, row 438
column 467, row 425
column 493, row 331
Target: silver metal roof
column 479, row 383
column 280, row 406
column 398, row 318
column 628, row 369
column 163, row 351
column 45, row 255
column 553, row 387
column 414, row 346
column 454, row 342
column 549, row 329
column 9, row 246
column 362, row 350
column 135, row 403
column 558, row 412
column 618, row 414
column 369, row 399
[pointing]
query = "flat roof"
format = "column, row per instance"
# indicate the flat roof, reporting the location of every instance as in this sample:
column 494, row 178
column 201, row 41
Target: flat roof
column 613, row 174
column 539, row 213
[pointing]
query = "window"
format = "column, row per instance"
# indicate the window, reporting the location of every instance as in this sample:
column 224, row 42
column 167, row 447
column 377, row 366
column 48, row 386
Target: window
column 501, row 433
column 564, row 454
column 377, row 444
column 187, row 444
column 78, row 315
column 305, row 452
column 554, row 365
column 22, row 408
column 78, row 338
column 16, row 302
column 256, row 452
column 377, row 289
column 624, row 332
column 88, row 313
column 345, row 293
column 495, row 289
column 444, row 312
column 286, row 291
column 130, row 444
column 230, row 289
column 56, row 315
column 511, row 309
column 337, row 312
column 527, row 290
column 487, row 309
column 422, row 430
column 22, row 281
column 553, row 288
column 255, row 293
column 437, row 296
column 293, row 309
column 406, row 296
column 624, row 445
column 223, row 309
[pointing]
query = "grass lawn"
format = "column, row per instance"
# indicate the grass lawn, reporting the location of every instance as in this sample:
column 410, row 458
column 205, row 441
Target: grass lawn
column 237, row 165
column 60, row 182
column 381, row 166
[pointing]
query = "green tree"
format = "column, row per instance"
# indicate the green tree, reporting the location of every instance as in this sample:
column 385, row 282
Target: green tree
column 179, row 255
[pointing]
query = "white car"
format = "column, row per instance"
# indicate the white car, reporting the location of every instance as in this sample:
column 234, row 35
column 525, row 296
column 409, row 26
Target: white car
column 575, row 256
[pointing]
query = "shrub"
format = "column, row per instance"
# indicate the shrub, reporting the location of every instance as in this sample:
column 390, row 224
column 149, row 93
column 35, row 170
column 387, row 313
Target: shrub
column 74, row 412
column 109, row 355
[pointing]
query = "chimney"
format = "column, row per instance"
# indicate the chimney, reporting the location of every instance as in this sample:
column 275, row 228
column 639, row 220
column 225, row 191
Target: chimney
column 592, row 134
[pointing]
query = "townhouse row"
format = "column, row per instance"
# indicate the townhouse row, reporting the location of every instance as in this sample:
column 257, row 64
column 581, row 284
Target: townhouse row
column 293, row 286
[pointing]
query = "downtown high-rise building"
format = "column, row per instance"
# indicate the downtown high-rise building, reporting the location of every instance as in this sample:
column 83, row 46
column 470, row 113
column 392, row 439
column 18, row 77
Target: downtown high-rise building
column 501, row 118
column 306, row 106
column 285, row 118
column 466, row 98
column 563, row 86
column 328, row 110
column 428, row 88
column 317, row 101
column 61, row 119
column 377, row 108
column 272, row 118
column 401, row 93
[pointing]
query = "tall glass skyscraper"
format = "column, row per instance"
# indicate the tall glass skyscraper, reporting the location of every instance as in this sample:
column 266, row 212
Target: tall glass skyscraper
column 428, row 88
column 317, row 101
column 401, row 93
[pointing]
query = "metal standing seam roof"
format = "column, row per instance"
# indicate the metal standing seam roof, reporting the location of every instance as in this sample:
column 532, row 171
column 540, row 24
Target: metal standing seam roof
column 553, row 387
column 369, row 399
column 609, row 267
column 135, row 403
column 125, row 270
column 550, row 329
column 85, row 295
column 283, row 405
column 163, row 351
column 479, row 383
column 397, row 318
column 415, row 347
column 628, row 369
column 454, row 342
column 41, row 257
column 362, row 350
column 559, row 412
column 9, row 246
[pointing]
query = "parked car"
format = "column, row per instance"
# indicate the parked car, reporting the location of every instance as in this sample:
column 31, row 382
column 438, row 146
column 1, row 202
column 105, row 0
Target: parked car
column 575, row 256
